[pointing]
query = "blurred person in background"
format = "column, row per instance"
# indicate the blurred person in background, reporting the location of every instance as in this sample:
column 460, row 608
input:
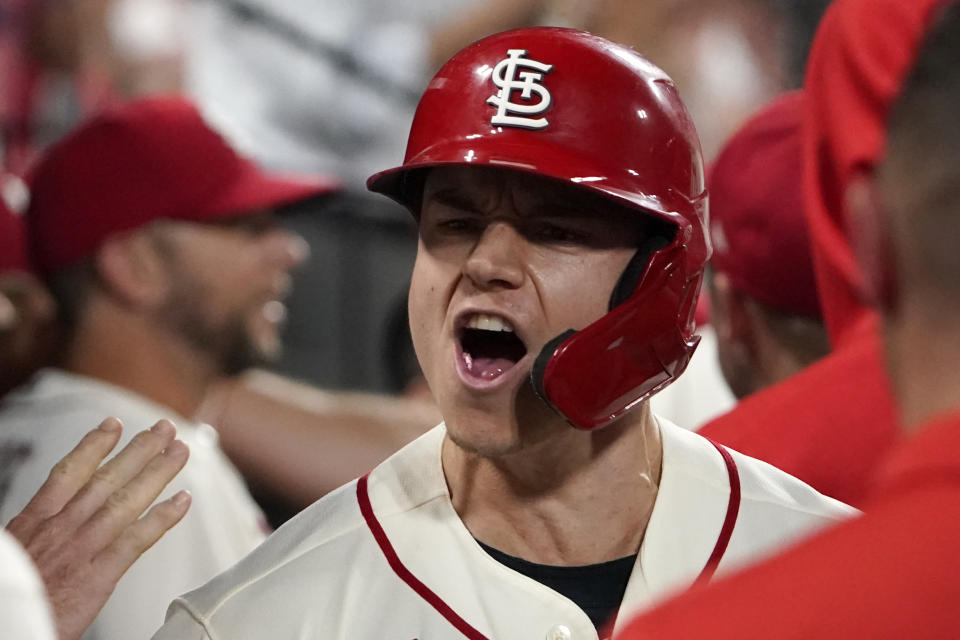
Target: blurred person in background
column 158, row 243
column 61, row 61
column 833, row 420
column 767, row 313
column 894, row 572
column 763, row 293
column 728, row 57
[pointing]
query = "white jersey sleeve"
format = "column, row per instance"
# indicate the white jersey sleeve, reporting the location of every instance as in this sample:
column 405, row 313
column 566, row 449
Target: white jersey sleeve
column 24, row 611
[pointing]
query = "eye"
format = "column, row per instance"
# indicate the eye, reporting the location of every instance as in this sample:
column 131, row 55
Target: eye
column 450, row 222
column 559, row 232
column 458, row 225
column 252, row 225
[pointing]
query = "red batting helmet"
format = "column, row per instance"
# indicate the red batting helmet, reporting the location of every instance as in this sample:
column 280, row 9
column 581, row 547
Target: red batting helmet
column 574, row 107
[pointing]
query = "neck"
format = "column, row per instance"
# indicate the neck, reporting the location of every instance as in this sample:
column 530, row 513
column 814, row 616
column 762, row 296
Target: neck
column 576, row 499
column 922, row 353
column 129, row 352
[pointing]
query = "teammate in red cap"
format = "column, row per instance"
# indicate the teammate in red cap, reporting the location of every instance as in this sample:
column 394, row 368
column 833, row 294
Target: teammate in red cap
column 158, row 244
column 768, row 317
column 895, row 572
column 557, row 183
column 831, row 423
column 763, row 297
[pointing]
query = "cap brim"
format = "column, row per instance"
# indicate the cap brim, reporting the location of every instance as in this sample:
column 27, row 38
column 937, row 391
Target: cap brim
column 254, row 190
column 561, row 166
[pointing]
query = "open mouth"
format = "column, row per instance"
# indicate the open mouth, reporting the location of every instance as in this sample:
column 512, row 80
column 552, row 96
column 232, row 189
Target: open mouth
column 489, row 346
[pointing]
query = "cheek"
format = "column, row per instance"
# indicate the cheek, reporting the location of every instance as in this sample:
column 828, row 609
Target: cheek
column 579, row 290
column 425, row 305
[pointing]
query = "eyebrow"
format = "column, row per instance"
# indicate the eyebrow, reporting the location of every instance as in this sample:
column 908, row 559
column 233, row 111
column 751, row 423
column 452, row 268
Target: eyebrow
column 457, row 198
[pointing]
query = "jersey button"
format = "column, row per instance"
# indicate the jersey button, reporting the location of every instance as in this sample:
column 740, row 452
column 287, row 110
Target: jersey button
column 559, row 632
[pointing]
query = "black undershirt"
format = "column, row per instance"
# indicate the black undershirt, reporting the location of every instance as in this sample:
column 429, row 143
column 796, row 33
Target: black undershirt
column 596, row 588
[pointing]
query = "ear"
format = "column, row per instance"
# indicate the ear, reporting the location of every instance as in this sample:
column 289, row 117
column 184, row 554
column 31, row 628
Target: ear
column 728, row 313
column 872, row 244
column 131, row 269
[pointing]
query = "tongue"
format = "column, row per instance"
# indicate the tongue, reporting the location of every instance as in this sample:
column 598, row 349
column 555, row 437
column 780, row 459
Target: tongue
column 486, row 368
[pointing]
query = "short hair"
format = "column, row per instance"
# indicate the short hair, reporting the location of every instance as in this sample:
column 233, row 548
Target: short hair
column 920, row 175
column 71, row 288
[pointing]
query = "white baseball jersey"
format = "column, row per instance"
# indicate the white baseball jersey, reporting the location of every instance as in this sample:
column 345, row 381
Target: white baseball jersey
column 387, row 556
column 24, row 612
column 42, row 421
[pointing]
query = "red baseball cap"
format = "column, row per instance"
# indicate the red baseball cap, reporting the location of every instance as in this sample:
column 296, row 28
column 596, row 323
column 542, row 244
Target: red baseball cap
column 138, row 162
column 757, row 221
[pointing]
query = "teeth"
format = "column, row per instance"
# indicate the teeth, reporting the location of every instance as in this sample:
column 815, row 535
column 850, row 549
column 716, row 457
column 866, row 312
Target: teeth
column 488, row 322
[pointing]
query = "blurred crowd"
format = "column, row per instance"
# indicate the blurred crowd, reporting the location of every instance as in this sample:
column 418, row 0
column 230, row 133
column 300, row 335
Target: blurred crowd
column 190, row 259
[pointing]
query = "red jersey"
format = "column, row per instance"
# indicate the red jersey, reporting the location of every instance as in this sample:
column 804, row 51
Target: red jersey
column 893, row 573
column 828, row 425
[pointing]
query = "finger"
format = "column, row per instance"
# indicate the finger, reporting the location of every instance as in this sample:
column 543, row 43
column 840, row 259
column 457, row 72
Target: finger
column 127, row 503
column 8, row 314
column 66, row 478
column 111, row 563
column 117, row 472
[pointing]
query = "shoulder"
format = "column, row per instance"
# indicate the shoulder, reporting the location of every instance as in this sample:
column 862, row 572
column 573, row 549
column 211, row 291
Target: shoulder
column 774, row 508
column 760, row 483
column 315, row 542
column 892, row 573
column 764, row 486
column 331, row 538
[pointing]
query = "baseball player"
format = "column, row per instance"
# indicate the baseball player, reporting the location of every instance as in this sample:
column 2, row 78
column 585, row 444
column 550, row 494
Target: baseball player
column 793, row 424
column 765, row 306
column 895, row 572
column 168, row 270
column 558, row 187
column 763, row 294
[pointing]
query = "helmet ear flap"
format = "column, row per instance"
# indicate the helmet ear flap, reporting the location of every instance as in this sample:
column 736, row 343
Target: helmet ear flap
column 624, row 288
column 631, row 276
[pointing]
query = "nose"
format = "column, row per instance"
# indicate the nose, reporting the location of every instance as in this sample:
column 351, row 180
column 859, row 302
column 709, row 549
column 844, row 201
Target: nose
column 496, row 259
column 285, row 249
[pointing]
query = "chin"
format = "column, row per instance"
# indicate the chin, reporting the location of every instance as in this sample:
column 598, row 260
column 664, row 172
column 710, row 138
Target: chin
column 528, row 423
column 484, row 435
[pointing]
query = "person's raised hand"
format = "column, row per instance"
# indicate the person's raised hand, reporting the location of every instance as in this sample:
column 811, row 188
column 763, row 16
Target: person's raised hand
column 83, row 528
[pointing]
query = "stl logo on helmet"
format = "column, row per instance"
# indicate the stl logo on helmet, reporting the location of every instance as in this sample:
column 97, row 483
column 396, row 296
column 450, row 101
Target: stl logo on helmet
column 508, row 77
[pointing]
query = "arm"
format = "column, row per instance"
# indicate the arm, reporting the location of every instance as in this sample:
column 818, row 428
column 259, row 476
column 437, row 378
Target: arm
column 83, row 528
column 299, row 442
